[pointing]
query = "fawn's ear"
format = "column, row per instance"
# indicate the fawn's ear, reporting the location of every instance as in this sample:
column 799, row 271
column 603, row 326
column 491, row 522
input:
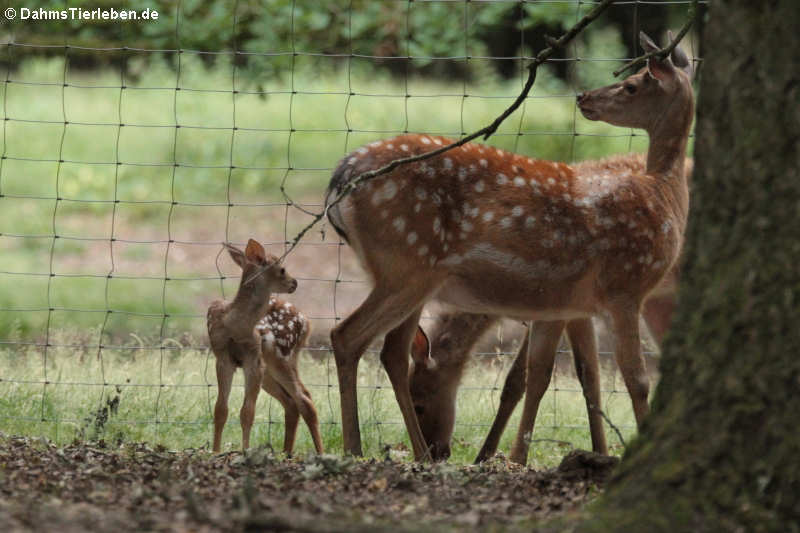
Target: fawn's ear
column 255, row 252
column 236, row 254
column 679, row 57
column 657, row 68
column 421, row 349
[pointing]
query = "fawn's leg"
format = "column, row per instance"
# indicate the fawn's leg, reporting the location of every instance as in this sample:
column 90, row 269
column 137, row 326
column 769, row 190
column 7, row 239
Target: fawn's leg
column 290, row 413
column 513, row 389
column 629, row 357
column 225, row 369
column 394, row 357
column 253, row 376
column 583, row 342
column 384, row 309
column 543, row 340
column 309, row 413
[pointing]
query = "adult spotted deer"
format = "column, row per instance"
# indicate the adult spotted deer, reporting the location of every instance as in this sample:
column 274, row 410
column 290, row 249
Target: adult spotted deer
column 434, row 385
column 262, row 335
column 486, row 231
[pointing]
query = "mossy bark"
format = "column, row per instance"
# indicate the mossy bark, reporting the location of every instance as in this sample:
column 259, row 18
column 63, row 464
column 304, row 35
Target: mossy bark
column 720, row 450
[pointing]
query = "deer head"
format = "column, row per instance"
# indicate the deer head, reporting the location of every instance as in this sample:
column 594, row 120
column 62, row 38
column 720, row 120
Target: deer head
column 631, row 103
column 261, row 272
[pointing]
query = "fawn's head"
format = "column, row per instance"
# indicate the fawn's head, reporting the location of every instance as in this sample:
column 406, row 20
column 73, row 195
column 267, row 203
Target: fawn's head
column 261, row 270
column 640, row 100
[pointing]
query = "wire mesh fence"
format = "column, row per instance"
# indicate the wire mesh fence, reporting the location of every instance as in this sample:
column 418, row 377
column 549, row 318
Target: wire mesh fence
column 124, row 168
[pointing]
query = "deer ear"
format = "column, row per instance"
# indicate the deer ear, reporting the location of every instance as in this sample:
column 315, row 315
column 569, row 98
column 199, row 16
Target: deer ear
column 255, row 252
column 657, row 68
column 679, row 57
column 236, row 254
column 647, row 43
column 421, row 349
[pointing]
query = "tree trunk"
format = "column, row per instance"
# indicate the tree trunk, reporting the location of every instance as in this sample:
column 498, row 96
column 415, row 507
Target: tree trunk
column 720, row 450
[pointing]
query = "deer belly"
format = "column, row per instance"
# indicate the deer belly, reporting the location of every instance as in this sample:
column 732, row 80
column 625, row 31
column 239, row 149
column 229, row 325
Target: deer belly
column 515, row 298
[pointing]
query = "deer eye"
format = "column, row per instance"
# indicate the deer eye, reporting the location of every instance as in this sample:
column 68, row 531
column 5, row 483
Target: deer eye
column 419, row 410
column 629, row 88
column 283, row 272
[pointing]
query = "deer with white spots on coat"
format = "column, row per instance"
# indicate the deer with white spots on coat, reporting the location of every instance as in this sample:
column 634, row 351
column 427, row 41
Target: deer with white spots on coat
column 486, row 231
column 263, row 336
column 438, row 365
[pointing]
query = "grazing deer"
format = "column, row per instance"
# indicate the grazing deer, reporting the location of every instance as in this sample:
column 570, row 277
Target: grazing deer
column 486, row 231
column 434, row 385
column 257, row 332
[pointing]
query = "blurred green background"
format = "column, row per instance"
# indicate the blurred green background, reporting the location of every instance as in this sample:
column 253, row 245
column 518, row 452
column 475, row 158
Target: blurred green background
column 126, row 163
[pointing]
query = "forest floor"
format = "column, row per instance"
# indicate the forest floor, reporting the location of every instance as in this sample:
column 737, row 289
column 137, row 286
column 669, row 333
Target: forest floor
column 97, row 487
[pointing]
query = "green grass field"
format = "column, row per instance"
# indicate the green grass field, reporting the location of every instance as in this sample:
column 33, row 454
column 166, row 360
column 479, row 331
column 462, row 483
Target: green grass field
column 178, row 414
column 117, row 246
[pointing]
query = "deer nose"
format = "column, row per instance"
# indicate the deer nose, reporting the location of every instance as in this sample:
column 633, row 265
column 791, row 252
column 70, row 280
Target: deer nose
column 580, row 96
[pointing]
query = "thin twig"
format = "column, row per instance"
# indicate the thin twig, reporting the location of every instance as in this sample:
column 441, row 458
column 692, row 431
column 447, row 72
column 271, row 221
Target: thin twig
column 486, row 131
column 613, row 426
column 663, row 53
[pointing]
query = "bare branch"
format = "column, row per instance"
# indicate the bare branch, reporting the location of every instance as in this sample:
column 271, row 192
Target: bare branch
column 663, row 53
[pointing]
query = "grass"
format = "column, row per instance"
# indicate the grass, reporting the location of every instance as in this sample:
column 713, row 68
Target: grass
column 167, row 397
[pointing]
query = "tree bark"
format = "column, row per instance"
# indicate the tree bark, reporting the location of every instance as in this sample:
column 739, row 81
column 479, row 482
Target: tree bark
column 720, row 450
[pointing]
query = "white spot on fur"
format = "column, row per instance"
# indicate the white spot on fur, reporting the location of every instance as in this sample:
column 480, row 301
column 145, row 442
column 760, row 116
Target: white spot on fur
column 505, row 222
column 417, row 207
column 487, row 216
column 502, row 179
column 462, row 174
column 384, row 213
column 421, row 193
column 437, row 142
column 425, row 140
column 448, row 163
column 437, row 225
column 399, row 224
column 530, row 221
column 466, row 225
column 484, row 163
column 423, row 250
column 551, row 181
column 404, row 147
column 411, row 238
column 479, row 186
column 517, row 211
column 519, row 181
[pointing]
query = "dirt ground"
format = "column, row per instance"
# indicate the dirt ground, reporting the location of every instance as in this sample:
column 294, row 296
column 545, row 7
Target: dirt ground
column 92, row 487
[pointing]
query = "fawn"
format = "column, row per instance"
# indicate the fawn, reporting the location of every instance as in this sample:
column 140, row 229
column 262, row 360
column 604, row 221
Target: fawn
column 248, row 333
column 434, row 387
column 486, row 231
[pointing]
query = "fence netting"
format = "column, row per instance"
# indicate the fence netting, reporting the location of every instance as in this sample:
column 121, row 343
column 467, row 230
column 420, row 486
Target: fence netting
column 132, row 150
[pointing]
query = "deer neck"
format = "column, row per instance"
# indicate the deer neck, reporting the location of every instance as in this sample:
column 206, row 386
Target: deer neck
column 247, row 308
column 666, row 154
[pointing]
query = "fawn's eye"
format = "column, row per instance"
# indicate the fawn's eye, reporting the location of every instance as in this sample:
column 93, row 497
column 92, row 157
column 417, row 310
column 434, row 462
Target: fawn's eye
column 419, row 410
column 629, row 88
column 283, row 272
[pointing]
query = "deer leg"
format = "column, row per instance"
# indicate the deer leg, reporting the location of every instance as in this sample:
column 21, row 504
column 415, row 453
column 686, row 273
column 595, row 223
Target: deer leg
column 513, row 390
column 383, row 310
column 657, row 312
column 583, row 341
column 309, row 414
column 394, row 357
column 253, row 377
column 543, row 340
column 225, row 371
column 629, row 358
column 290, row 414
